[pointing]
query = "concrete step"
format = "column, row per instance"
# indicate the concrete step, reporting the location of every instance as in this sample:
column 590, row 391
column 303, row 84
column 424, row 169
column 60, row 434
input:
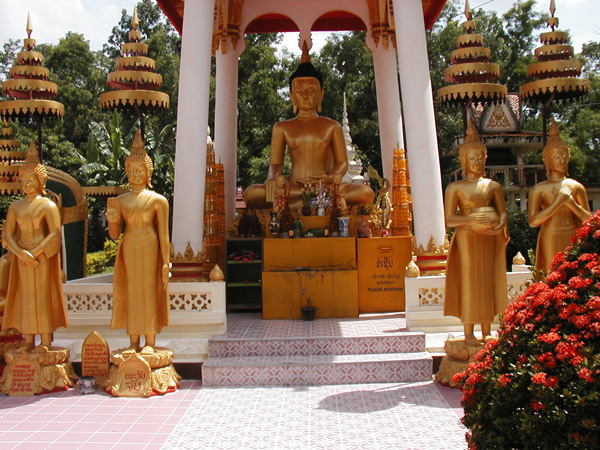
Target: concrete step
column 305, row 370
column 405, row 342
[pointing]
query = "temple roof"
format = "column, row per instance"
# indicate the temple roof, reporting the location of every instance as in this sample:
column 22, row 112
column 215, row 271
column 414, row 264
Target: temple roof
column 338, row 20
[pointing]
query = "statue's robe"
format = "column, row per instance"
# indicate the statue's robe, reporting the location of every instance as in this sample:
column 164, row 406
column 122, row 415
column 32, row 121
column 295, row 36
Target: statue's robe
column 476, row 288
column 35, row 302
column 140, row 299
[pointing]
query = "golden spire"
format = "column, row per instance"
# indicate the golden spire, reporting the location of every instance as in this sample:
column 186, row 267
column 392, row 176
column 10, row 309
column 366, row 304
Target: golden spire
column 468, row 11
column 28, row 28
column 134, row 20
column 138, row 144
column 552, row 7
column 554, row 141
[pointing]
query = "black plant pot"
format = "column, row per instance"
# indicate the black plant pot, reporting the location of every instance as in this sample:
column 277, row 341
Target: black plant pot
column 308, row 312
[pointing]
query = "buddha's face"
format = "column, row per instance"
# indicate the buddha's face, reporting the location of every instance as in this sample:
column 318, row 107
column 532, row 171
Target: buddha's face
column 474, row 162
column 30, row 184
column 136, row 173
column 306, row 92
column 558, row 160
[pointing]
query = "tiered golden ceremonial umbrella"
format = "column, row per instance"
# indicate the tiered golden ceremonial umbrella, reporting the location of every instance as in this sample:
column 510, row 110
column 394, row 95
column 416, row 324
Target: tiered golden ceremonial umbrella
column 30, row 89
column 555, row 73
column 134, row 81
column 471, row 71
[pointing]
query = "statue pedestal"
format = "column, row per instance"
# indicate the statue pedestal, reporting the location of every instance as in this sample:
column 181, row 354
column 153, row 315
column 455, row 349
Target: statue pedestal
column 133, row 374
column 458, row 355
column 37, row 372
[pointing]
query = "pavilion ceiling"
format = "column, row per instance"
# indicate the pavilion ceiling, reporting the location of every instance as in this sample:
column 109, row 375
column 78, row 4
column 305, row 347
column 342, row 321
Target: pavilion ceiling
column 380, row 16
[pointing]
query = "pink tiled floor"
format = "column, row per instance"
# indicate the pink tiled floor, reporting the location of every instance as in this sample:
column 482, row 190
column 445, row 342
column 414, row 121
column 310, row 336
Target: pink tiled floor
column 399, row 416
column 420, row 416
column 252, row 326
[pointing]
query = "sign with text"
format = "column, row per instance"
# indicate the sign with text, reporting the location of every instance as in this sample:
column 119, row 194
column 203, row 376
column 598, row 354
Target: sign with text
column 381, row 266
column 134, row 378
column 25, row 374
column 95, row 358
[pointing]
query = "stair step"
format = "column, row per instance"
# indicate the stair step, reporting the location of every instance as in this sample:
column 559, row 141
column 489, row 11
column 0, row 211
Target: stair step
column 317, row 369
column 404, row 342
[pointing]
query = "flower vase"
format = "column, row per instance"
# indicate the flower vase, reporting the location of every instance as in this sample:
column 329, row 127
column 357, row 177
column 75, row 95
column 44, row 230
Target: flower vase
column 344, row 228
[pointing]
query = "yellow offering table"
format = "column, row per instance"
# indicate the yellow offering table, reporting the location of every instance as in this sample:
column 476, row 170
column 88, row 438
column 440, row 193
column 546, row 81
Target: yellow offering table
column 318, row 272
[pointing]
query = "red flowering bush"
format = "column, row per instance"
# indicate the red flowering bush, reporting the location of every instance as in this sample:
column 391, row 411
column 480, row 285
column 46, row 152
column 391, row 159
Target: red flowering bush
column 537, row 386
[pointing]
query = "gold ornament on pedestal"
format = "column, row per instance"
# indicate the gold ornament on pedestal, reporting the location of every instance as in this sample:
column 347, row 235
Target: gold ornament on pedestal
column 141, row 276
column 559, row 205
column 34, row 298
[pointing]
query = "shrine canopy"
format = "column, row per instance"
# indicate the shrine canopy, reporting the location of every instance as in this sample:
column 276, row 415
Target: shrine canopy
column 274, row 23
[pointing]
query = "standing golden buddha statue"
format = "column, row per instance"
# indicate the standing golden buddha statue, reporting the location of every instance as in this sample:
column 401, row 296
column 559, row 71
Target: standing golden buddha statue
column 141, row 273
column 34, row 300
column 559, row 205
column 316, row 146
column 476, row 288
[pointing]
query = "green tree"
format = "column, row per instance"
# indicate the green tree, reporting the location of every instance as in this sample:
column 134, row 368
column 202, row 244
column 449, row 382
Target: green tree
column 347, row 67
column 262, row 102
column 80, row 78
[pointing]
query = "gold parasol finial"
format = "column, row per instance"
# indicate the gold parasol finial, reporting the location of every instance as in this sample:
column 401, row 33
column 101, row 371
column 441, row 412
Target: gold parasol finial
column 468, row 11
column 552, row 7
column 29, row 28
column 134, row 20
column 305, row 58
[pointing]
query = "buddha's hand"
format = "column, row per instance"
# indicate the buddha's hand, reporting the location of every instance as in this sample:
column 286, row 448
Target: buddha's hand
column 27, row 258
column 325, row 179
column 270, row 190
column 563, row 194
column 111, row 209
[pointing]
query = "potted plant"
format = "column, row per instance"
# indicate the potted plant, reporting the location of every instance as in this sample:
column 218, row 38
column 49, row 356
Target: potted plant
column 308, row 312
column 308, row 192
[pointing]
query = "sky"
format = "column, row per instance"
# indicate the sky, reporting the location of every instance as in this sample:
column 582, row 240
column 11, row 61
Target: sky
column 52, row 19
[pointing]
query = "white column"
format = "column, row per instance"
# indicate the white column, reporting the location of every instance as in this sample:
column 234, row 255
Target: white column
column 192, row 123
column 226, row 89
column 419, row 123
column 388, row 104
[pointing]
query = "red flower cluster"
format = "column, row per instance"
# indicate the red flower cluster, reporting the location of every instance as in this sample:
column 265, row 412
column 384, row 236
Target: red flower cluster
column 546, row 358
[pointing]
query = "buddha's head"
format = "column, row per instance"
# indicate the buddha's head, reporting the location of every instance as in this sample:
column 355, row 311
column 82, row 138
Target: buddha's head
column 306, row 84
column 138, row 157
column 472, row 153
column 33, row 166
column 556, row 154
